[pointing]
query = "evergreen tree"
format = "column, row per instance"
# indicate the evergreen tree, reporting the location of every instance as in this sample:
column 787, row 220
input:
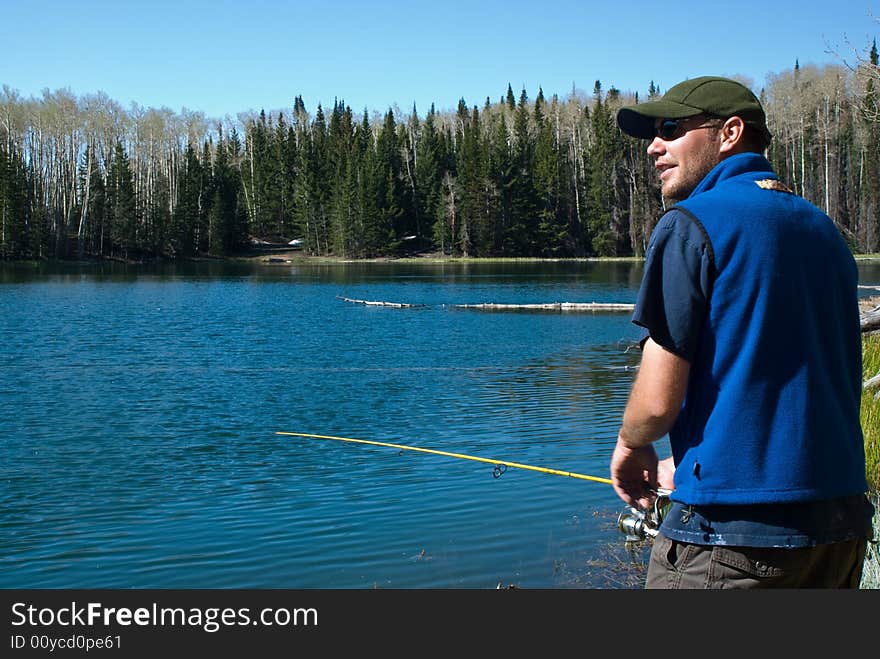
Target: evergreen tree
column 521, row 234
column 239, row 230
column 202, row 230
column 604, row 219
column 552, row 224
column 37, row 216
column 510, row 98
column 122, row 221
column 392, row 203
column 159, row 224
column 296, row 149
column 97, row 210
column 343, row 192
column 228, row 214
column 285, row 147
column 258, row 177
column 869, row 185
column 473, row 234
column 269, row 171
column 218, row 217
column 501, row 168
column 186, row 219
column 313, row 189
column 376, row 232
column 14, row 243
column 446, row 212
column 429, row 168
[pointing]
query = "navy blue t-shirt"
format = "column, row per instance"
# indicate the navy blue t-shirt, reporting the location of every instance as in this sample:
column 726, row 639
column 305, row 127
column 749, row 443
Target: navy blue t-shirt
column 676, row 285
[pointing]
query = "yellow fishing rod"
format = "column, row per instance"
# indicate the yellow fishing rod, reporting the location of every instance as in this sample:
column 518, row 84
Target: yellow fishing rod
column 500, row 465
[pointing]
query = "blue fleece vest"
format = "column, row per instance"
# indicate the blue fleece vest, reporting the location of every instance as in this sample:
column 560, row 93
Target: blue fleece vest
column 772, row 408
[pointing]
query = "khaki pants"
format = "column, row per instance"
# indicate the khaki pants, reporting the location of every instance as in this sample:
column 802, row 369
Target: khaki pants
column 679, row 565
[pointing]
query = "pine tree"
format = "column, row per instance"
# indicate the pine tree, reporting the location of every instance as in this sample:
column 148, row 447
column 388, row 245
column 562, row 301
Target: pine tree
column 285, row 148
column 552, row 225
column 500, row 171
column 520, row 236
column 186, row 219
column 258, row 177
column 14, row 243
column 343, row 191
column 376, row 232
column 238, row 229
column 446, row 212
column 158, row 240
column 429, row 168
column 474, row 231
column 122, row 221
column 296, row 157
column 202, row 230
column 604, row 220
column 392, row 203
column 218, row 217
column 228, row 214
column 97, row 210
column 869, row 186
column 313, row 189
column 510, row 98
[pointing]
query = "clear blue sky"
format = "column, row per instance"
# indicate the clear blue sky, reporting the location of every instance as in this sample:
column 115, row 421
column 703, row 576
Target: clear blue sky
column 224, row 57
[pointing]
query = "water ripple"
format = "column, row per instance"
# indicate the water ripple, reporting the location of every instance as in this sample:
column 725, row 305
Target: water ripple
column 138, row 445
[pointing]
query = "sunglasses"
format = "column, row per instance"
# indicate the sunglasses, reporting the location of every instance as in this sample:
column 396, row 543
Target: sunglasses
column 672, row 129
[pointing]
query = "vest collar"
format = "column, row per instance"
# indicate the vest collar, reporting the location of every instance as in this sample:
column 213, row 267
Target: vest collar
column 741, row 163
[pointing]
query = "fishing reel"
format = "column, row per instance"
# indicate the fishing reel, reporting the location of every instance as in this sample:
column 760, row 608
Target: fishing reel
column 639, row 525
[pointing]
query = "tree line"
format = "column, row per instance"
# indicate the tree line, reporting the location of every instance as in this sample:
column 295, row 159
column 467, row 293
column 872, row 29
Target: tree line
column 518, row 177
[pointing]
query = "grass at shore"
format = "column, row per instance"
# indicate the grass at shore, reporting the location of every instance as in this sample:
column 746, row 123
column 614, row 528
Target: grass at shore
column 870, row 417
column 870, row 411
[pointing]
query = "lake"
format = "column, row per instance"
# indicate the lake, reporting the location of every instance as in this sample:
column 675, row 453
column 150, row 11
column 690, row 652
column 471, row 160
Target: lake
column 140, row 406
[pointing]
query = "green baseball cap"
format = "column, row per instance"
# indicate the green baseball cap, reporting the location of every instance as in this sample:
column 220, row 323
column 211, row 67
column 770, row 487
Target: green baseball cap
column 720, row 97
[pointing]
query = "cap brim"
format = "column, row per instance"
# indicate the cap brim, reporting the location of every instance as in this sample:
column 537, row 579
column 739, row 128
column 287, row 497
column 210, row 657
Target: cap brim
column 638, row 120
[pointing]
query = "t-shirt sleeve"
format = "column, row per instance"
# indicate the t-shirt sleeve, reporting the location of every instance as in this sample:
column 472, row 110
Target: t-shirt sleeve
column 674, row 294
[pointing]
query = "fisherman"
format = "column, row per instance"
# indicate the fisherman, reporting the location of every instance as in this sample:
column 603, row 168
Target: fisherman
column 751, row 361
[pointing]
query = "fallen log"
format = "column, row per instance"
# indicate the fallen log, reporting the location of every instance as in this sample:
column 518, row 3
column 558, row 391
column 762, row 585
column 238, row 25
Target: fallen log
column 870, row 320
column 372, row 303
column 553, row 306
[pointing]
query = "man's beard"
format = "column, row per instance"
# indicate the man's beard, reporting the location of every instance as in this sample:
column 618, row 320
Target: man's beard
column 687, row 177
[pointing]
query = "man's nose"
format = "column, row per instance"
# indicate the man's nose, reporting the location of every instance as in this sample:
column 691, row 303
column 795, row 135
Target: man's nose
column 656, row 147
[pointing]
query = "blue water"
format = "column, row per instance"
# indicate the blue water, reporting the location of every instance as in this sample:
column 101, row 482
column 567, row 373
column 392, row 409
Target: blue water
column 139, row 406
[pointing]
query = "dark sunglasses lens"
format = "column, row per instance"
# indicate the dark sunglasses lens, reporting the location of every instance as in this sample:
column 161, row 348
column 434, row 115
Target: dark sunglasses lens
column 667, row 129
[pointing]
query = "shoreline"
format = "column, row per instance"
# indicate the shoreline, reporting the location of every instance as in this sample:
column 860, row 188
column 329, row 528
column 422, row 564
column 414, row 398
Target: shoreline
column 297, row 257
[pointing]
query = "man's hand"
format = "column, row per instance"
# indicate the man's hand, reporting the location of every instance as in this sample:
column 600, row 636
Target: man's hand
column 634, row 473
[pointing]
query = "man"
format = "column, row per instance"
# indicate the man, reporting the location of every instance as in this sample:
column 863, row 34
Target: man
column 751, row 361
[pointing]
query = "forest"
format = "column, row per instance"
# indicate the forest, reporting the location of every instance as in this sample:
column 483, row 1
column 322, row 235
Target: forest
column 83, row 177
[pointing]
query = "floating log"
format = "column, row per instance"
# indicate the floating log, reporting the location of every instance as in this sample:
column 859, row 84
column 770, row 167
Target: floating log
column 372, row 303
column 553, row 306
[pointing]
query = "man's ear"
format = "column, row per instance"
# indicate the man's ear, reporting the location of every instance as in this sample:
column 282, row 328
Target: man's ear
column 732, row 133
